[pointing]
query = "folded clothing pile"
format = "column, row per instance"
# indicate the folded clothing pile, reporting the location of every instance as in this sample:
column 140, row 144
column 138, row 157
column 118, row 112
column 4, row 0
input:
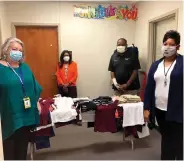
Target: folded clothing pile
column 65, row 111
column 85, row 106
column 102, row 100
column 128, row 99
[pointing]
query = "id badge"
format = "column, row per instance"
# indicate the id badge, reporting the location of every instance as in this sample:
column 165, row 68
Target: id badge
column 27, row 102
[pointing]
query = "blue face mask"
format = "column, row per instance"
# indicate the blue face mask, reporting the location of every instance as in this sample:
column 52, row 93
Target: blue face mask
column 15, row 55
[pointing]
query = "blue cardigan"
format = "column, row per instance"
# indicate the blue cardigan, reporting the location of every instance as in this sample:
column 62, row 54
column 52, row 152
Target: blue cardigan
column 175, row 97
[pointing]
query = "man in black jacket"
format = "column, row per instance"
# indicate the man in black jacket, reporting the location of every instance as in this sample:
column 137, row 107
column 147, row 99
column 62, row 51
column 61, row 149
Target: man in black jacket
column 124, row 65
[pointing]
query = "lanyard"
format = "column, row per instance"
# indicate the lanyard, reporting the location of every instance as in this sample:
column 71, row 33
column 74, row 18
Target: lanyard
column 20, row 78
column 165, row 73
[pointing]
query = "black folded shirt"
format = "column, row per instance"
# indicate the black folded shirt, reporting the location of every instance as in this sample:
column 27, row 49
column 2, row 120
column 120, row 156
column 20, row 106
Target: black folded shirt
column 86, row 106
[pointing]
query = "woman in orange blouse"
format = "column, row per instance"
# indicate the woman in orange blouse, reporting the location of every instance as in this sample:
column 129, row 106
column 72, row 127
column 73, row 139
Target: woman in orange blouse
column 67, row 75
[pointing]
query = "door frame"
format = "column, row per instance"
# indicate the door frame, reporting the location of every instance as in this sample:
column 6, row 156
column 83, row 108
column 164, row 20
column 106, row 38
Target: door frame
column 0, row 36
column 0, row 32
column 152, row 33
column 14, row 24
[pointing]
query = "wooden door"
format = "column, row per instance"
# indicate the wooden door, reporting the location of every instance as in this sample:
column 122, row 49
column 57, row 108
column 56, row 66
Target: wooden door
column 41, row 54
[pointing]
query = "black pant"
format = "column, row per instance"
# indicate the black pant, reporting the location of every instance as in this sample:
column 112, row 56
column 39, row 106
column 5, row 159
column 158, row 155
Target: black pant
column 172, row 137
column 15, row 147
column 72, row 91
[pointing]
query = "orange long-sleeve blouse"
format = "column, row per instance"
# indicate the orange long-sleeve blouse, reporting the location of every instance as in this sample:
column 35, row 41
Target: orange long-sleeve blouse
column 67, row 74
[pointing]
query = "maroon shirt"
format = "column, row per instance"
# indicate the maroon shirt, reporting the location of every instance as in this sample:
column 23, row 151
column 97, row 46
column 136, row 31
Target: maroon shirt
column 45, row 113
column 105, row 118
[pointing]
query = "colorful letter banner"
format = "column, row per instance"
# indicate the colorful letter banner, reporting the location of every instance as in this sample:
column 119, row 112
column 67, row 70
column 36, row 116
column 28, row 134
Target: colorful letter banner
column 123, row 12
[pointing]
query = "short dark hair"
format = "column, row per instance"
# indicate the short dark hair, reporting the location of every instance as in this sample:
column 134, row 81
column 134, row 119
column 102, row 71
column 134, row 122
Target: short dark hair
column 123, row 40
column 62, row 56
column 172, row 34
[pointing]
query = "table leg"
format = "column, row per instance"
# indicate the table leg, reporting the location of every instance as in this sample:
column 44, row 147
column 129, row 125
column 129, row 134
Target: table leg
column 130, row 139
column 32, row 151
column 123, row 136
column 132, row 142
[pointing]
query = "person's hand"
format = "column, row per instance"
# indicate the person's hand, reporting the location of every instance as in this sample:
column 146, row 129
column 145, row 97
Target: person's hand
column 66, row 85
column 117, row 86
column 39, row 107
column 65, row 89
column 146, row 115
column 115, row 83
column 123, row 86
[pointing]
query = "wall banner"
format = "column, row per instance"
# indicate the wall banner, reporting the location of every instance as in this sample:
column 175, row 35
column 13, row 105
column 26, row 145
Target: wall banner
column 123, row 12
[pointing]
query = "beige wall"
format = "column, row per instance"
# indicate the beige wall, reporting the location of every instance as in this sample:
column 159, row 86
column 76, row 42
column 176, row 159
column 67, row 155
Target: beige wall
column 147, row 12
column 2, row 21
column 1, row 27
column 92, row 41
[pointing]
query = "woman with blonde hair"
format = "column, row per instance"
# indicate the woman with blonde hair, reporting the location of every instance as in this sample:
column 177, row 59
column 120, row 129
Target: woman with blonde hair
column 19, row 93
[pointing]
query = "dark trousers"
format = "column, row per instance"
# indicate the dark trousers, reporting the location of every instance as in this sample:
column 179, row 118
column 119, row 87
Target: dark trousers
column 15, row 147
column 72, row 91
column 172, row 137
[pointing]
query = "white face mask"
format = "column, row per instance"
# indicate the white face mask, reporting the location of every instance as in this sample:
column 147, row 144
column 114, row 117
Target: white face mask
column 168, row 51
column 66, row 58
column 121, row 49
